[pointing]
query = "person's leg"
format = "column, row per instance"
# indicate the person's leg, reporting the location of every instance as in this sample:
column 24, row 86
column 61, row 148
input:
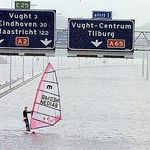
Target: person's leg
column 27, row 125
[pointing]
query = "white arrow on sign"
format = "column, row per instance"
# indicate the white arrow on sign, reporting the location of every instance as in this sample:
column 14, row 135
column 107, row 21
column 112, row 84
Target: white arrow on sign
column 46, row 42
column 96, row 43
column 1, row 40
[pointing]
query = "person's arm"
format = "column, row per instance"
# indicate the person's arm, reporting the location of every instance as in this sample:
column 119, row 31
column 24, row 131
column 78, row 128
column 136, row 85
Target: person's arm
column 29, row 112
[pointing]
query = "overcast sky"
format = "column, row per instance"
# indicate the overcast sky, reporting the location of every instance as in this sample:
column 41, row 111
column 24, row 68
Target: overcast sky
column 121, row 9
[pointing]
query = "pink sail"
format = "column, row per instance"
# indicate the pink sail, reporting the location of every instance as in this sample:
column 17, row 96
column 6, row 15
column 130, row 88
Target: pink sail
column 46, row 108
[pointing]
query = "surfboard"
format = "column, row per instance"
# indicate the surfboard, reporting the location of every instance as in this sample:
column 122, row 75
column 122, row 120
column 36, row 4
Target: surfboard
column 29, row 132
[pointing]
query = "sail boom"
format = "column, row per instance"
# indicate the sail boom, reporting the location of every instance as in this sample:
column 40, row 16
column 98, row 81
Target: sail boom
column 44, row 114
column 50, row 81
column 49, row 92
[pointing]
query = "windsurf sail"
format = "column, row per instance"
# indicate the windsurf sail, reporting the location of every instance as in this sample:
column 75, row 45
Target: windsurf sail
column 46, row 108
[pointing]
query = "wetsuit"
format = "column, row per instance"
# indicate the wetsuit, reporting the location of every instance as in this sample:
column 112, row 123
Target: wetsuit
column 25, row 116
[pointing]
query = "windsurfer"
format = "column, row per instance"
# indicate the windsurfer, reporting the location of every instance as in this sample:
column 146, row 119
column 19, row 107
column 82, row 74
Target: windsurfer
column 25, row 118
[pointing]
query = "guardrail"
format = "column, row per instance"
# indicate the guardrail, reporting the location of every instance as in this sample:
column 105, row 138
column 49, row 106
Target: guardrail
column 19, row 85
column 8, row 83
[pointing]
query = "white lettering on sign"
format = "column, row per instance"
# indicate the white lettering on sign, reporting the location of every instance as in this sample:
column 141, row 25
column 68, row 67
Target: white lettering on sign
column 101, row 34
column 114, row 26
column 95, row 29
column 18, row 32
column 20, row 16
column 101, row 26
column 17, row 24
column 23, row 20
column 82, row 25
column 23, row 32
column 43, row 32
column 103, row 15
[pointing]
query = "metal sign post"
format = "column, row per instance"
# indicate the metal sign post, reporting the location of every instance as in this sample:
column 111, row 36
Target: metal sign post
column 23, row 68
column 147, row 66
column 10, row 71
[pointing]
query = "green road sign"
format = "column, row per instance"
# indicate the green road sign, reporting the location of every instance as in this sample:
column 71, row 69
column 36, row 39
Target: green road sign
column 22, row 5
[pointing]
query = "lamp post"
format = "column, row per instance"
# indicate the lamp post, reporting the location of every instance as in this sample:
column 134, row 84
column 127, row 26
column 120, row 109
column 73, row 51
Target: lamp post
column 23, row 68
column 32, row 66
column 10, row 70
column 147, row 71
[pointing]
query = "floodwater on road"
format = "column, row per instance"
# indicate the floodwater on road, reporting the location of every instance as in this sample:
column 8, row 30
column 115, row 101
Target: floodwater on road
column 105, row 106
